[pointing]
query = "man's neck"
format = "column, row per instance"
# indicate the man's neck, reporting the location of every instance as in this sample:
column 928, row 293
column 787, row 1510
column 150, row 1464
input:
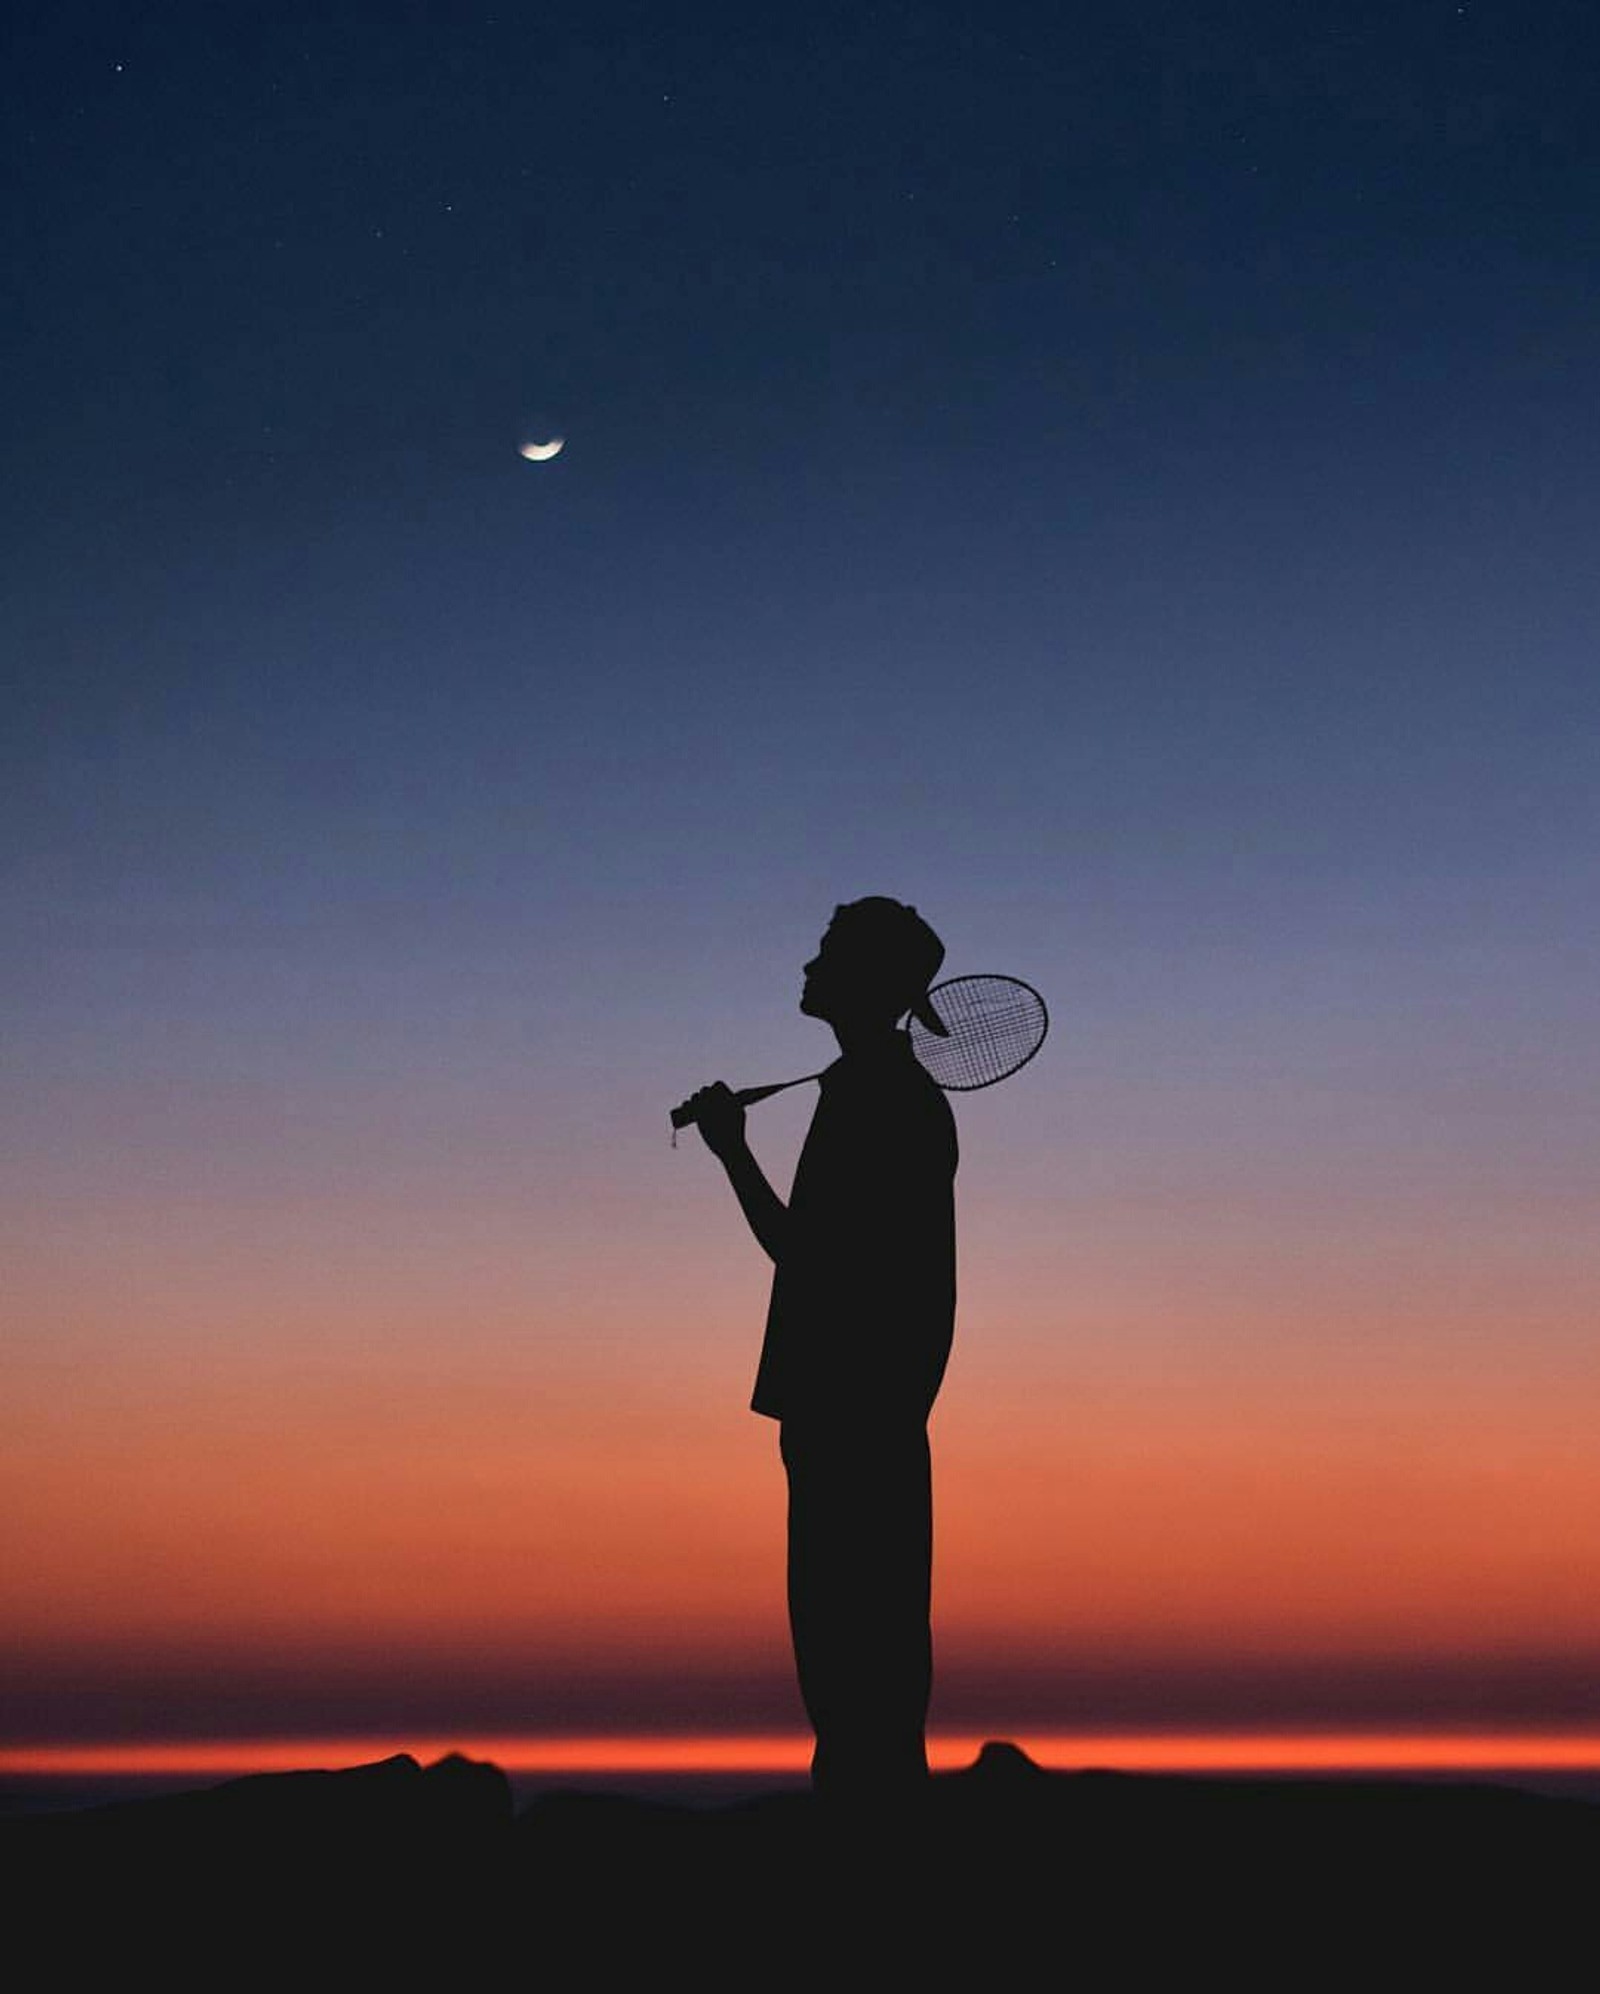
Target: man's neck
column 857, row 1038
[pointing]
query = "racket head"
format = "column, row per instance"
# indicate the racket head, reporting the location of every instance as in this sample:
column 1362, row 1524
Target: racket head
column 995, row 1023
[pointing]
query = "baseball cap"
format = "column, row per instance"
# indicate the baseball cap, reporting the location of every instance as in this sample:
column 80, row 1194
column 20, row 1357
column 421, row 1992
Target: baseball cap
column 895, row 939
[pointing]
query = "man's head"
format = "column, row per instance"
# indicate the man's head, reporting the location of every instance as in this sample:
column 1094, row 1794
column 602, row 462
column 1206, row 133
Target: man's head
column 875, row 964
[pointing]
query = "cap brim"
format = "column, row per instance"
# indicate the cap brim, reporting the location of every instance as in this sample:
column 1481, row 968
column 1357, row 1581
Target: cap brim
column 929, row 1018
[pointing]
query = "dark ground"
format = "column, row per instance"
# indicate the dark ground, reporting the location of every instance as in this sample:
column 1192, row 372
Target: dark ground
column 395, row 1874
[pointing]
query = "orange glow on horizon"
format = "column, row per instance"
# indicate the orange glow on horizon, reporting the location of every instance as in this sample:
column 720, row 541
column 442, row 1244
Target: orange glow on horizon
column 1218, row 1752
column 425, row 1506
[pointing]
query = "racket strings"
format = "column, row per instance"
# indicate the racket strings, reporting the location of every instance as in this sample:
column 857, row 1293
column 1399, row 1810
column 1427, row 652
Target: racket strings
column 995, row 1024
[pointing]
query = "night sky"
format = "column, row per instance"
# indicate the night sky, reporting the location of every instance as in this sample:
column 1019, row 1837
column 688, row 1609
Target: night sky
column 1122, row 477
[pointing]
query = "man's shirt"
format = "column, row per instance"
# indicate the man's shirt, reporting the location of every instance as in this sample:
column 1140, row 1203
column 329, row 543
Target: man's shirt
column 863, row 1296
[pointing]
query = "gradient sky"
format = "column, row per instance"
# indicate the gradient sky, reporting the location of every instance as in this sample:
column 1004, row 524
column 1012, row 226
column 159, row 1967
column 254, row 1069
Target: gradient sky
column 1122, row 477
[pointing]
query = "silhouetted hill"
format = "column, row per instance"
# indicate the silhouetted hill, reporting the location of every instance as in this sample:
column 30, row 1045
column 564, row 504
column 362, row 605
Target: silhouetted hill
column 394, row 1873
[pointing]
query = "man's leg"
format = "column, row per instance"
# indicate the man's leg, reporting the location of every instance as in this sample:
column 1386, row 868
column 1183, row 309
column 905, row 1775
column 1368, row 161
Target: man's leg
column 860, row 1557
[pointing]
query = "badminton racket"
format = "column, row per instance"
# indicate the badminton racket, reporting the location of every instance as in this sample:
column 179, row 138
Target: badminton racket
column 993, row 1026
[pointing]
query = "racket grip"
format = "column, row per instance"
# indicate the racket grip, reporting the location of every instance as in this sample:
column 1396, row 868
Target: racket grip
column 683, row 1116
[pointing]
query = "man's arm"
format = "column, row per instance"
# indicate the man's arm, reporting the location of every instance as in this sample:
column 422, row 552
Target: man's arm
column 721, row 1122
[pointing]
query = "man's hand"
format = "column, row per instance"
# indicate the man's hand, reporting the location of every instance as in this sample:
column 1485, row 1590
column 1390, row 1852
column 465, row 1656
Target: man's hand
column 720, row 1119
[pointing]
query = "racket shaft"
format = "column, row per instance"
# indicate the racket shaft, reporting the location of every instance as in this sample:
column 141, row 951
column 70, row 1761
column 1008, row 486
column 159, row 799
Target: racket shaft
column 747, row 1097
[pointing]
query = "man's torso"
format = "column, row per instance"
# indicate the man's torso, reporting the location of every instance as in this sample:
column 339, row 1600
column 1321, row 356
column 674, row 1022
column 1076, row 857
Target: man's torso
column 863, row 1298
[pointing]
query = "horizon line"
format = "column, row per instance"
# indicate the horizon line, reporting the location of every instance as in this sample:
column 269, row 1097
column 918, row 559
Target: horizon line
column 777, row 1753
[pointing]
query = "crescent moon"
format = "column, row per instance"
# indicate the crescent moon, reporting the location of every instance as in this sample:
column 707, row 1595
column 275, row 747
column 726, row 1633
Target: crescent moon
column 540, row 453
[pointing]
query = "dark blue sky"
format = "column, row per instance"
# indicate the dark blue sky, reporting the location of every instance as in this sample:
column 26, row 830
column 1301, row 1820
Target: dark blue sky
column 1113, row 362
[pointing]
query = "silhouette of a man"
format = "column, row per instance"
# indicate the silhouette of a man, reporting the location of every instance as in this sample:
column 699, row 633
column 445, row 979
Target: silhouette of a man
column 858, row 1334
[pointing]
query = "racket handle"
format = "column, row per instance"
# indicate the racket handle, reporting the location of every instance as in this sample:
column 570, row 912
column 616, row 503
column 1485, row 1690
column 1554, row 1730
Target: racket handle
column 747, row 1097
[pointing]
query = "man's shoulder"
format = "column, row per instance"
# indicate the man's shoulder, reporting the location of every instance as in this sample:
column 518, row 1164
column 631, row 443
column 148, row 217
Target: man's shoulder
column 883, row 1110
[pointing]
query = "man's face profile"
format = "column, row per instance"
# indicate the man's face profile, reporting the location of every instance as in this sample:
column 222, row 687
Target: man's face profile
column 822, row 979
column 849, row 977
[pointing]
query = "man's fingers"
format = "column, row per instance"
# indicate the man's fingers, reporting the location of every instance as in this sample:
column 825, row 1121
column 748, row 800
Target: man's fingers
column 717, row 1114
